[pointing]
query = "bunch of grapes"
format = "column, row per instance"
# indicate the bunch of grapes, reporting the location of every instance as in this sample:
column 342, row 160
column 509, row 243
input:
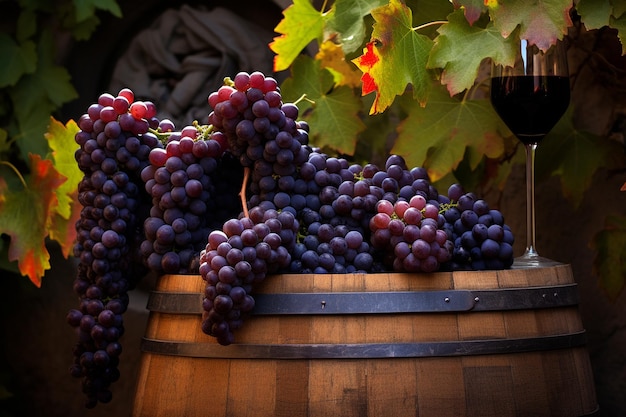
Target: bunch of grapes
column 242, row 254
column 481, row 238
column 114, row 148
column 264, row 134
column 180, row 181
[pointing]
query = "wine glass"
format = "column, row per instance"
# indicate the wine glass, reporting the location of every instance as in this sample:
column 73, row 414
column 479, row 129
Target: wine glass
column 530, row 98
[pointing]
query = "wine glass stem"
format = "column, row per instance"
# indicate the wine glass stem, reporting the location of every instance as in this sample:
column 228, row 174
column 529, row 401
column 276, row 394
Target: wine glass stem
column 530, row 200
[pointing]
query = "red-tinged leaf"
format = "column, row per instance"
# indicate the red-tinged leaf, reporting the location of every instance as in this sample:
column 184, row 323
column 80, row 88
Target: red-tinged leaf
column 395, row 57
column 437, row 135
column 300, row 25
column 472, row 9
column 334, row 116
column 25, row 216
column 61, row 142
column 63, row 230
column 460, row 48
column 609, row 263
column 541, row 22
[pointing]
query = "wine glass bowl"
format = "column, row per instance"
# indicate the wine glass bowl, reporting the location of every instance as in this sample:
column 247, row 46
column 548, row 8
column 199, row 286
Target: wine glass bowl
column 530, row 97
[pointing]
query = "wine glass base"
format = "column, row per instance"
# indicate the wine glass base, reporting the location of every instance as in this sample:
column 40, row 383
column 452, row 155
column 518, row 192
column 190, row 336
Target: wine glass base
column 533, row 260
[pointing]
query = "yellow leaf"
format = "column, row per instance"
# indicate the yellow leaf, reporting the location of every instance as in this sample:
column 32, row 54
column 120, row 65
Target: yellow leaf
column 332, row 57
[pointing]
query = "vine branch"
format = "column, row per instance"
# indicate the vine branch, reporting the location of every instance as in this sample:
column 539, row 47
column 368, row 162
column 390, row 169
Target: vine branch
column 17, row 172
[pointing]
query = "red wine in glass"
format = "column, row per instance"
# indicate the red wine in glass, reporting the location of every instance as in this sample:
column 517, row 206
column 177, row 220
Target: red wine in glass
column 530, row 97
column 530, row 105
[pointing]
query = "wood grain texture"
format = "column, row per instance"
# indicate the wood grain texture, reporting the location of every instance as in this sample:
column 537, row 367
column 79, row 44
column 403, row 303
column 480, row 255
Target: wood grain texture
column 538, row 383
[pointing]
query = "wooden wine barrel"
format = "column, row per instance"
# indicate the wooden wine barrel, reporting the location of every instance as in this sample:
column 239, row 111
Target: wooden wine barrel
column 489, row 343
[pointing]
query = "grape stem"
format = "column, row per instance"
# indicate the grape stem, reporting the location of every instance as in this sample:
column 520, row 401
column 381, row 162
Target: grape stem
column 242, row 193
column 303, row 97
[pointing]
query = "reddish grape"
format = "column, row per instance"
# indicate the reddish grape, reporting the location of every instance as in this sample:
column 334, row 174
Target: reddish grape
column 418, row 201
column 158, row 156
column 138, row 110
column 150, row 110
column 121, row 105
column 257, row 80
column 223, row 93
column 108, row 114
column 128, row 93
column 242, row 81
column 105, row 99
column 385, row 206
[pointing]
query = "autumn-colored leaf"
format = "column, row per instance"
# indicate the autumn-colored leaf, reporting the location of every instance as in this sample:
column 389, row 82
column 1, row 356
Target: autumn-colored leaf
column 472, row 9
column 300, row 25
column 61, row 142
column 25, row 216
column 437, row 135
column 395, row 57
column 460, row 48
column 609, row 263
column 63, row 230
column 541, row 22
column 334, row 117
column 331, row 57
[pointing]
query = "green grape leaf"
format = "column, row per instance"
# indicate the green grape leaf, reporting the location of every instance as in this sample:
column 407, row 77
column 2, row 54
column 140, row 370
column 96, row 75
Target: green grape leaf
column 36, row 96
column 300, row 25
column 619, row 8
column 594, row 13
column 18, row 59
column 541, row 22
column 25, row 216
column 472, row 9
column 436, row 136
column 427, row 11
column 31, row 127
column 82, row 30
column 394, row 58
column 609, row 262
column 334, row 119
column 460, row 48
column 572, row 154
column 87, row 8
column 26, row 25
column 348, row 21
